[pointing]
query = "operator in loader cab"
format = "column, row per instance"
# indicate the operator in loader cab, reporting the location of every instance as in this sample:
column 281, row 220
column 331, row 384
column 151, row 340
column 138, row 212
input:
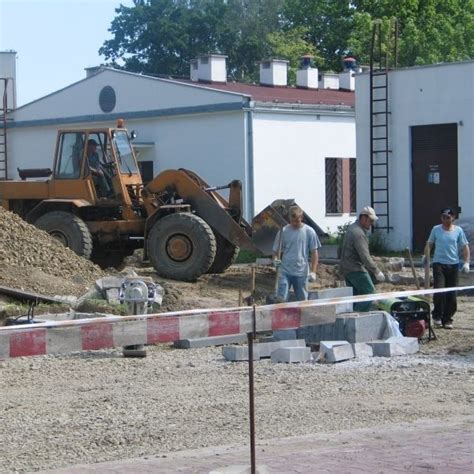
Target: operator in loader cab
column 102, row 185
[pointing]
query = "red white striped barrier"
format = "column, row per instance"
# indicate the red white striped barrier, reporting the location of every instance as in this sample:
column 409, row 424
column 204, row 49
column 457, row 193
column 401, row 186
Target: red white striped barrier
column 118, row 331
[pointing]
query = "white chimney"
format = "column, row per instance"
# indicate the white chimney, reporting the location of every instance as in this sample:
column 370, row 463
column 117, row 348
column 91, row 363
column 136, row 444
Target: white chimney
column 8, row 76
column 273, row 72
column 92, row 71
column 328, row 80
column 193, row 72
column 346, row 80
column 306, row 76
column 209, row 68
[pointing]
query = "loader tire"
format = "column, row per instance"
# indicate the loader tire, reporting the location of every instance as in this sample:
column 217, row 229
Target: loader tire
column 181, row 246
column 226, row 254
column 69, row 229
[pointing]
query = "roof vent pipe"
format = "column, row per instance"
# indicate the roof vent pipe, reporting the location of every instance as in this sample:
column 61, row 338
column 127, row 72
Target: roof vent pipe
column 306, row 75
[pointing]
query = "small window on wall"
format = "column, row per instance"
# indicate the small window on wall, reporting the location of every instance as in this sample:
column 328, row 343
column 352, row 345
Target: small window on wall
column 353, row 185
column 146, row 170
column 334, row 186
column 340, row 185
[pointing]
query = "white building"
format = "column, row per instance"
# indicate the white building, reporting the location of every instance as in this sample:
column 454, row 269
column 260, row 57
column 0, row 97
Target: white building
column 430, row 112
column 280, row 141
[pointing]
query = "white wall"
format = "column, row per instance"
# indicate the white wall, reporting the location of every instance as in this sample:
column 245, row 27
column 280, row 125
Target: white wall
column 418, row 96
column 289, row 160
column 133, row 93
column 212, row 145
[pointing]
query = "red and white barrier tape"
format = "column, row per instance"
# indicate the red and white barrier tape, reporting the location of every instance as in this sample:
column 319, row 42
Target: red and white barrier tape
column 118, row 331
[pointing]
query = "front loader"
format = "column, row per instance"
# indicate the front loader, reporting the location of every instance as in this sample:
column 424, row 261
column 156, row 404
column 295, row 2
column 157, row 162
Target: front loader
column 184, row 225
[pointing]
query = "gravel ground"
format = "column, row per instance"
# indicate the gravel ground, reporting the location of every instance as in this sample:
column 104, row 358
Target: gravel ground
column 59, row 411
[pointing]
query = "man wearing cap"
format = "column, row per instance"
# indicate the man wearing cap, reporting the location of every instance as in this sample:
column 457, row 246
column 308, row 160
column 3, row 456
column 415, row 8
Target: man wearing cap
column 448, row 240
column 356, row 262
column 100, row 180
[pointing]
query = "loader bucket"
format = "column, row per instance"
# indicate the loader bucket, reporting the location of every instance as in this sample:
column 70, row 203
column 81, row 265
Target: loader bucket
column 267, row 223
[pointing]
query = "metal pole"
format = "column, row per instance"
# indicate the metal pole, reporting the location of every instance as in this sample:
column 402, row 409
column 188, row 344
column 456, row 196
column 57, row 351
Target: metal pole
column 250, row 337
column 251, row 404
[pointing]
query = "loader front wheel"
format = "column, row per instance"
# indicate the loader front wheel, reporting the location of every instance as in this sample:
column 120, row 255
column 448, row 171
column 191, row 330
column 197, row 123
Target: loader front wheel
column 181, row 246
column 68, row 229
column 226, row 254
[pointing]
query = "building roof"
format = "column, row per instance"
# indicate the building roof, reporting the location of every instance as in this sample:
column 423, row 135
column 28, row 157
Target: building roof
column 285, row 95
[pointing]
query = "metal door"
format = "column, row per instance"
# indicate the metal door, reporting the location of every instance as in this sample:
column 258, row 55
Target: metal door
column 434, row 152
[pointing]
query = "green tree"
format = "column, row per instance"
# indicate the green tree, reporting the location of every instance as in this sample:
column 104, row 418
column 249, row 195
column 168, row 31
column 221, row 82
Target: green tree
column 326, row 24
column 291, row 45
column 430, row 31
column 162, row 36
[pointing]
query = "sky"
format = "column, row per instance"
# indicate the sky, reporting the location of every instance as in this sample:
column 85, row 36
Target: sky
column 54, row 40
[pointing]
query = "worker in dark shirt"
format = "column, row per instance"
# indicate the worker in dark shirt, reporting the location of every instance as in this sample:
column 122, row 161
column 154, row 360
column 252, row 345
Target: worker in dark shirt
column 356, row 262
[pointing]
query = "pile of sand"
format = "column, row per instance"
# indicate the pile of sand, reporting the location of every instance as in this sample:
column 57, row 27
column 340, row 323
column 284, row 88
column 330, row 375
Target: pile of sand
column 33, row 261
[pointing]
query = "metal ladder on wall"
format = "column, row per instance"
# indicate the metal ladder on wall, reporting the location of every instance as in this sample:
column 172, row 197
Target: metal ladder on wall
column 3, row 129
column 380, row 151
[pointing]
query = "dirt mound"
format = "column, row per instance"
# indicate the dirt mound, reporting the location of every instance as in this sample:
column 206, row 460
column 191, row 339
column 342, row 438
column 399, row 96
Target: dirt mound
column 33, row 261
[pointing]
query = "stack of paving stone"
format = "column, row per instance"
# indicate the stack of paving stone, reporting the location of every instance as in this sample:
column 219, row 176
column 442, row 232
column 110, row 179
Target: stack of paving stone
column 289, row 351
column 338, row 351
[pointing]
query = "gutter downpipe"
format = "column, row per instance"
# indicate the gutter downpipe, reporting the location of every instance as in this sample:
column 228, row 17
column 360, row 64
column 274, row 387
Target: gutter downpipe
column 249, row 171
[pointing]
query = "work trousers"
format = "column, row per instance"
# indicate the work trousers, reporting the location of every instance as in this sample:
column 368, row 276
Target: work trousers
column 445, row 304
column 362, row 285
column 299, row 284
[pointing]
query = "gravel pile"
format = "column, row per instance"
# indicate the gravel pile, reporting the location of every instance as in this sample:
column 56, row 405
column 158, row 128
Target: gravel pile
column 33, row 261
column 83, row 408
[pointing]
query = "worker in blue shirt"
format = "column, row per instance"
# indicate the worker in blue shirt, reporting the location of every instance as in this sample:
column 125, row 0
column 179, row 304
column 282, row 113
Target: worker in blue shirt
column 448, row 241
column 295, row 254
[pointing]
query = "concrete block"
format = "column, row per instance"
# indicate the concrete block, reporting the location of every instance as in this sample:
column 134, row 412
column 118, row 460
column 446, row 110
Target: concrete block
column 395, row 346
column 315, row 333
column 239, row 353
column 361, row 349
column 330, row 293
column 291, row 354
column 364, row 327
column 335, row 351
column 265, row 349
column 112, row 296
column 284, row 334
column 409, row 344
column 210, row 341
column 108, row 282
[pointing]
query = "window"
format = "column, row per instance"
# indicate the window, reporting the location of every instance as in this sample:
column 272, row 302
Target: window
column 340, row 185
column 334, row 186
column 146, row 170
column 71, row 149
column 124, row 152
column 352, row 185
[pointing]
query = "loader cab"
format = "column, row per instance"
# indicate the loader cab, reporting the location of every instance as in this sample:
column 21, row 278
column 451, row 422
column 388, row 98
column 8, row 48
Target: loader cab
column 95, row 165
